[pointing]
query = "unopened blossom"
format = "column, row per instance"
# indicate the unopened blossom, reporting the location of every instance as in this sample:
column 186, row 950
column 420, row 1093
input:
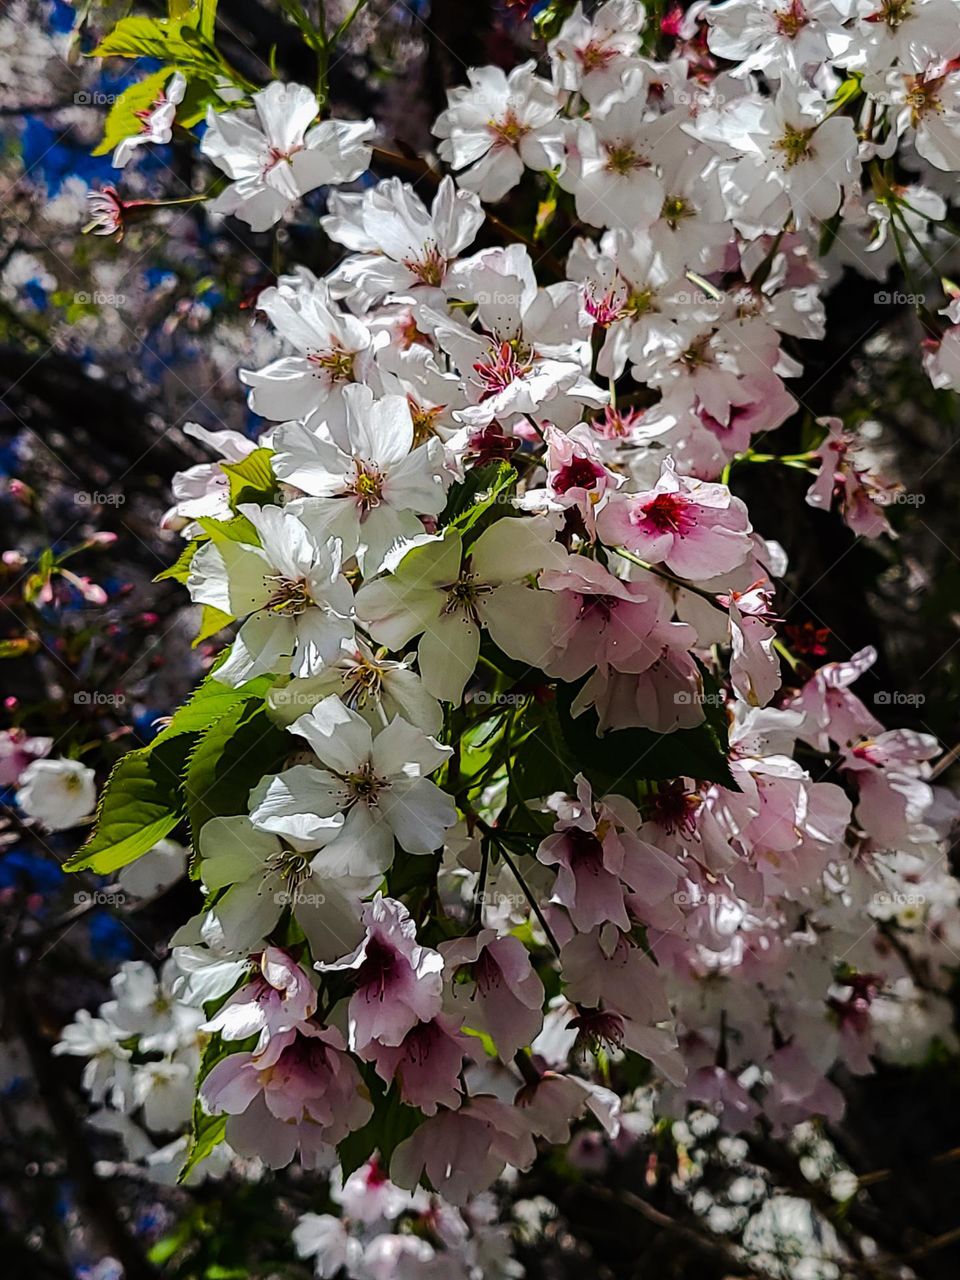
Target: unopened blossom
column 369, row 485
column 57, row 793
column 156, row 121
column 400, row 248
column 696, row 530
column 287, row 586
column 495, row 989
column 370, row 792
column 446, row 596
column 274, row 153
column 399, row 983
column 498, row 125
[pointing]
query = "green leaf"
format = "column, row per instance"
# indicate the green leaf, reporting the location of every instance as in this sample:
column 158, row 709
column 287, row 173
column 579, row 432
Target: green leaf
column 179, row 571
column 212, row 620
column 252, row 479
column 170, row 40
column 542, row 763
column 139, row 806
column 392, row 1121
column 206, row 1131
column 236, row 529
column 122, row 120
column 208, row 18
column 209, row 702
column 485, row 492
column 200, row 93
column 228, row 761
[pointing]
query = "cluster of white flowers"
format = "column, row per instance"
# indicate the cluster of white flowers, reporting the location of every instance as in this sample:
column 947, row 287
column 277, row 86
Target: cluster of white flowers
column 719, row 927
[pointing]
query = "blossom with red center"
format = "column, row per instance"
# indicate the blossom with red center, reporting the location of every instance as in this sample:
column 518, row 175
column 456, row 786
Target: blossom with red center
column 697, row 530
column 501, row 367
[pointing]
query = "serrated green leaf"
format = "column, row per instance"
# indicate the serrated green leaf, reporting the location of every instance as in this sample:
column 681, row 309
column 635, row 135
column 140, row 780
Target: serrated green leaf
column 170, row 40
column 209, row 702
column 237, row 529
column 206, row 1131
column 122, row 120
column 139, row 806
column 228, row 761
column 179, row 571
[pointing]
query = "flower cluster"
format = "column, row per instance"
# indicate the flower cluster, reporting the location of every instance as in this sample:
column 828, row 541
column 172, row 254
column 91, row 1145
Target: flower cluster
column 508, row 778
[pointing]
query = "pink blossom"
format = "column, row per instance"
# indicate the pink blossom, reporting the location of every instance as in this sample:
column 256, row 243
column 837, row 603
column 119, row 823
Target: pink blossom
column 399, row 983
column 17, row 750
column 463, row 1151
column 602, row 621
column 495, row 988
column 279, row 999
column 306, row 1094
column 859, row 495
column 697, row 530
column 426, row 1064
column 831, row 712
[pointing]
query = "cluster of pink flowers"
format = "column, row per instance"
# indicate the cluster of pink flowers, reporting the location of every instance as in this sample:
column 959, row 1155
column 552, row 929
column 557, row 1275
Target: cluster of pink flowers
column 733, row 930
